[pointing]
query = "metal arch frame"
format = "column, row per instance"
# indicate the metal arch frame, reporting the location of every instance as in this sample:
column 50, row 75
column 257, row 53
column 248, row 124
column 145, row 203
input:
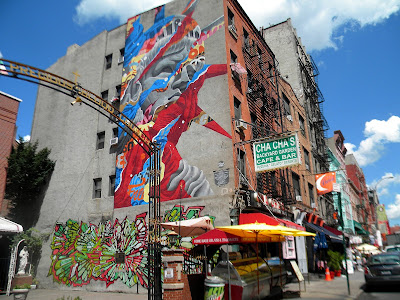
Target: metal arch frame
column 38, row 76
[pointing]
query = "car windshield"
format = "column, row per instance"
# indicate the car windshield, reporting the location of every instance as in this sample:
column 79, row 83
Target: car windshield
column 385, row 260
column 393, row 249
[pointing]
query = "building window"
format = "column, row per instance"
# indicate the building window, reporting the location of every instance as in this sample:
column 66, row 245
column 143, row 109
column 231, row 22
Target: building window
column 233, row 57
column 100, row 140
column 108, row 61
column 296, row 184
column 302, row 126
column 307, row 159
column 238, row 110
column 242, row 166
column 311, row 193
column 121, row 56
column 245, row 37
column 231, row 18
column 271, row 74
column 104, row 95
column 259, row 54
column 115, row 132
column 96, row 188
column 286, row 106
column 118, row 91
column 111, row 186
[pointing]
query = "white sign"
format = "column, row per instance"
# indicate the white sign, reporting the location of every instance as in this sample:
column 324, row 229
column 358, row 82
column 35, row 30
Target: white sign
column 169, row 273
column 276, row 153
column 297, row 270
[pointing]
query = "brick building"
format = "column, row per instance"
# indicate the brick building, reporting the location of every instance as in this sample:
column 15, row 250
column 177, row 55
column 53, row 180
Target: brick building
column 8, row 117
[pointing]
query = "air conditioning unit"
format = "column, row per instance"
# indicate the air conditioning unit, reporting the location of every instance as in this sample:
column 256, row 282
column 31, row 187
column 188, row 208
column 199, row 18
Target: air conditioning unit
column 114, row 141
column 307, row 167
column 289, row 117
column 233, row 30
column 298, row 198
column 240, row 124
column 313, row 205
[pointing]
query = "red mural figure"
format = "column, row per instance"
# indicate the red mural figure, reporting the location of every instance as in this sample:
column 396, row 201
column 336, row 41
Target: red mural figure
column 164, row 70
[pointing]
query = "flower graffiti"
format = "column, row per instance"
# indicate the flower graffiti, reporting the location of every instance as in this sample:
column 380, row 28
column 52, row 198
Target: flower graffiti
column 107, row 252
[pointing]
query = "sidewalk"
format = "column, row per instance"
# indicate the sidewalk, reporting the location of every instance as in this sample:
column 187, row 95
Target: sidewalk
column 319, row 288
column 316, row 288
column 44, row 294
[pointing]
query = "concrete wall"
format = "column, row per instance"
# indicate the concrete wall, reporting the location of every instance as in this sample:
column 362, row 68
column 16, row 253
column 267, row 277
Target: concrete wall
column 71, row 134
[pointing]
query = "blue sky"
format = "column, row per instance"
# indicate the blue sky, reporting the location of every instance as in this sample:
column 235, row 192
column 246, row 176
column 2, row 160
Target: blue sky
column 354, row 43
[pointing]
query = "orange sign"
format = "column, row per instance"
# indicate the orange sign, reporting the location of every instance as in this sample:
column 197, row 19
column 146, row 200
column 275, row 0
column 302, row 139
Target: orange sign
column 324, row 182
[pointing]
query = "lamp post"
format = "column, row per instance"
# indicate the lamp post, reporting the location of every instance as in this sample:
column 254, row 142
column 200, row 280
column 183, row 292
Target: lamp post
column 375, row 202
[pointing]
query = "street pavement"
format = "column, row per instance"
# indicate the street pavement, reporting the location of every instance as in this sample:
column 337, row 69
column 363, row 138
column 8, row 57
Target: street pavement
column 45, row 294
column 319, row 288
column 313, row 288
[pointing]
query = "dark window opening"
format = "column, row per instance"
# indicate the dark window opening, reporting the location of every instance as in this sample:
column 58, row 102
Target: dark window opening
column 108, row 61
column 100, row 140
column 97, row 188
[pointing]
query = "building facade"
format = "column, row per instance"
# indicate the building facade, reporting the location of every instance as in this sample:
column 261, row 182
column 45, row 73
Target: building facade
column 8, row 118
column 201, row 82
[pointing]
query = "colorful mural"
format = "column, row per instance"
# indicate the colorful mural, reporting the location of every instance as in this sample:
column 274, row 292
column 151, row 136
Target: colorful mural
column 82, row 252
column 164, row 70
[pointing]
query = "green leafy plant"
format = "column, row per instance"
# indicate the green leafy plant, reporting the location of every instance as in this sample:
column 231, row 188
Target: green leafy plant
column 28, row 173
column 23, row 286
column 335, row 260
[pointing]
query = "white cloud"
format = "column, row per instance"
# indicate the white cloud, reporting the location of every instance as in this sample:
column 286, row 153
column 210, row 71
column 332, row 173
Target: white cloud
column 378, row 133
column 1, row 54
column 393, row 210
column 90, row 10
column 316, row 22
column 26, row 138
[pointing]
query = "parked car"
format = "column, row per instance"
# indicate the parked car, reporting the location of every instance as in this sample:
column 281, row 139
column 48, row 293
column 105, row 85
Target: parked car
column 392, row 248
column 382, row 269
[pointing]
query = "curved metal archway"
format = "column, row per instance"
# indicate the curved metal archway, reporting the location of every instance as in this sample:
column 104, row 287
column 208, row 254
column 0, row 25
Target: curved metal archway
column 20, row 71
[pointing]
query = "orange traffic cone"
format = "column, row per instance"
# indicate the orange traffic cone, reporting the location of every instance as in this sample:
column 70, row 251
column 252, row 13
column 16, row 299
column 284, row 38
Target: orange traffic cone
column 327, row 274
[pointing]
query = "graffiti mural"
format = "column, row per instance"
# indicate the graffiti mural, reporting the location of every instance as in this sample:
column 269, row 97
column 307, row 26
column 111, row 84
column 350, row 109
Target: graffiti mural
column 164, row 70
column 177, row 213
column 107, row 252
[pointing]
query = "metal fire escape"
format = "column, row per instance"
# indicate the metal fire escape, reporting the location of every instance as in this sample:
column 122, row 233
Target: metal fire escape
column 314, row 109
column 266, row 119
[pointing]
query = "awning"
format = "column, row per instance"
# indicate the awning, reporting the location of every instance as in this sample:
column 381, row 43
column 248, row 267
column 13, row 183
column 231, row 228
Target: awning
column 191, row 227
column 333, row 230
column 334, row 238
column 7, row 226
column 219, row 237
column 359, row 229
column 263, row 218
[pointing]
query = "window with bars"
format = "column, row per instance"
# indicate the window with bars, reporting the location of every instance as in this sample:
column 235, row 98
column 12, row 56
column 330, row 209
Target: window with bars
column 100, row 140
column 96, row 188
column 108, row 61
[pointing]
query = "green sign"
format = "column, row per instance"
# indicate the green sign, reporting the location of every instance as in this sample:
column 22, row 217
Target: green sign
column 277, row 153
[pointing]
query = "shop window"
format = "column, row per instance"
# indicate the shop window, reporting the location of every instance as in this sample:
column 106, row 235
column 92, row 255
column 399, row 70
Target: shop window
column 96, row 188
